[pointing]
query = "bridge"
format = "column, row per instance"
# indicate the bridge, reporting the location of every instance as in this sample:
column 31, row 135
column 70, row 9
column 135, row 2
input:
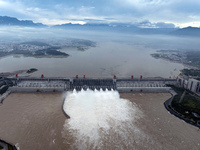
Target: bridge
column 30, row 84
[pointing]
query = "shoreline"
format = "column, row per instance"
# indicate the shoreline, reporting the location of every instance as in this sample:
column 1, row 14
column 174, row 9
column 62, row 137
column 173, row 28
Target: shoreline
column 44, row 56
column 172, row 111
column 20, row 73
column 174, row 61
column 185, row 65
column 7, row 146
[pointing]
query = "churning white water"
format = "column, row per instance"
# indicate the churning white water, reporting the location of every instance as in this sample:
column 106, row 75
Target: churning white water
column 101, row 120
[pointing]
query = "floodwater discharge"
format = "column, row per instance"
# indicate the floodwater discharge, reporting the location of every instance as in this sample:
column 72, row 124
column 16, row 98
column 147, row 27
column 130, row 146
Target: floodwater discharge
column 101, row 120
column 98, row 120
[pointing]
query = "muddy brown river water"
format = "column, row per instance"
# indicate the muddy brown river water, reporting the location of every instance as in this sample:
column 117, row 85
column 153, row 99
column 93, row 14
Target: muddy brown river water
column 35, row 122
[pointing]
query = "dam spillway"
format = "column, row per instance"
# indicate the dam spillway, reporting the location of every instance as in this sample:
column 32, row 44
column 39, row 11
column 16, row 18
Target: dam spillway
column 50, row 85
column 92, row 84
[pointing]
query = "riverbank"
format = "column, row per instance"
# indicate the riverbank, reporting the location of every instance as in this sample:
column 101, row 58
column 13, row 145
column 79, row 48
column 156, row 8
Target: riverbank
column 6, row 146
column 189, row 59
column 21, row 73
column 184, row 105
column 191, row 73
column 168, row 106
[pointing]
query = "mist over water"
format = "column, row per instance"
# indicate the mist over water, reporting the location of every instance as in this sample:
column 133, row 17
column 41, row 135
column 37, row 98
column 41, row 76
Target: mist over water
column 101, row 120
column 116, row 53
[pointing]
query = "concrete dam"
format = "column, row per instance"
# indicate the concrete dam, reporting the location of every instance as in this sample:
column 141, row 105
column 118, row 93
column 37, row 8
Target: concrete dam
column 50, row 85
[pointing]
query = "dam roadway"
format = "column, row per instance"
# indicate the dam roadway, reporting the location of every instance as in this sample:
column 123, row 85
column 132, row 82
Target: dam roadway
column 50, row 85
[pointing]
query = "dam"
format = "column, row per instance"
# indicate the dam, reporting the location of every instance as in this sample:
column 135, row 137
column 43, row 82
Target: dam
column 146, row 119
column 53, row 85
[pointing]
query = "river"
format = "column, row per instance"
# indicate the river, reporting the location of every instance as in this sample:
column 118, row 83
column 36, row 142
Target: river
column 36, row 121
column 107, row 59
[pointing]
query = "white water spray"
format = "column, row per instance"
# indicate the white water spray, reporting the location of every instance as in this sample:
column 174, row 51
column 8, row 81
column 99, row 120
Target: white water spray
column 100, row 120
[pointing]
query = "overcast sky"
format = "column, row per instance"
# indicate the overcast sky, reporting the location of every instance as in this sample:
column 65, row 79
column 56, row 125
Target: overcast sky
column 179, row 12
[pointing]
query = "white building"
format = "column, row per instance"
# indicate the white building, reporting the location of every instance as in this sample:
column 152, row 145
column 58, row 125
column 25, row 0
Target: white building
column 190, row 84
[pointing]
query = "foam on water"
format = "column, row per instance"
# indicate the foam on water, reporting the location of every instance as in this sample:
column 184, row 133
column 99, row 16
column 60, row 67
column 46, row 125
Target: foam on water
column 101, row 120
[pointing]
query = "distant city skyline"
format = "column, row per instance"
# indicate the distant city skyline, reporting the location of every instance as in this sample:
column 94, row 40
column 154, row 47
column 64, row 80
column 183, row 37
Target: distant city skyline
column 145, row 13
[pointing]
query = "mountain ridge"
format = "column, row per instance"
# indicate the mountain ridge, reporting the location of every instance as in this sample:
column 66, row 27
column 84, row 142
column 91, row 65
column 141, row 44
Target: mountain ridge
column 12, row 21
column 120, row 27
column 187, row 31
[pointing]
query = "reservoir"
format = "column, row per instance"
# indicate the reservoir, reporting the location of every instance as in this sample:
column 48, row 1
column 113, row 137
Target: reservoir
column 107, row 59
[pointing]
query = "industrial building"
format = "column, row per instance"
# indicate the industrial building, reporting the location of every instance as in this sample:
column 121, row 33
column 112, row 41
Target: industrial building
column 192, row 85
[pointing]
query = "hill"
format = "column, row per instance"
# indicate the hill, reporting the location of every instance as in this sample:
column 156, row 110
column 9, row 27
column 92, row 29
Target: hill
column 11, row 21
column 188, row 31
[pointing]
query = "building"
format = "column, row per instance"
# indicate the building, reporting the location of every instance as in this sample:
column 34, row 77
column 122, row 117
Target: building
column 192, row 85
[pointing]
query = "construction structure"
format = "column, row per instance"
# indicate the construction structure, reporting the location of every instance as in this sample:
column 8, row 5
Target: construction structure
column 190, row 84
column 51, row 85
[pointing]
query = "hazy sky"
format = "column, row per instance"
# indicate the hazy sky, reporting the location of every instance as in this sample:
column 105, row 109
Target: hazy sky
column 179, row 12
